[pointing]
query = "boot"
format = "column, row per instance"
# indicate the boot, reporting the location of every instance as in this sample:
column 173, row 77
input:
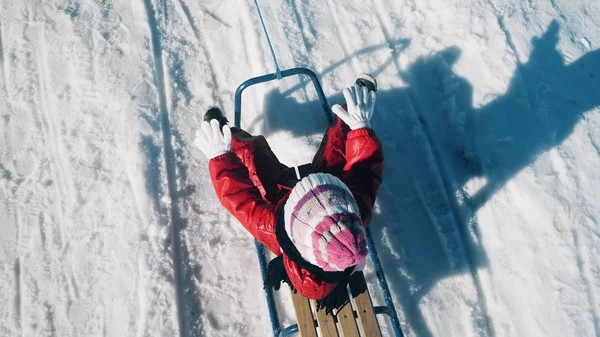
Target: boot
column 367, row 80
column 215, row 113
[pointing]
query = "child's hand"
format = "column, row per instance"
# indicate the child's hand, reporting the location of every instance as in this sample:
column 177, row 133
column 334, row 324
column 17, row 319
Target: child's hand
column 360, row 103
column 211, row 141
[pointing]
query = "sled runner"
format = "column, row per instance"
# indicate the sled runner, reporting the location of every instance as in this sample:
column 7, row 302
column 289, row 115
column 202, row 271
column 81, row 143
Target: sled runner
column 357, row 317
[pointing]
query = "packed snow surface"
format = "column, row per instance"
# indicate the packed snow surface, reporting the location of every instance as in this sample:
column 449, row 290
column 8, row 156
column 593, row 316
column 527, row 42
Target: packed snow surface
column 487, row 223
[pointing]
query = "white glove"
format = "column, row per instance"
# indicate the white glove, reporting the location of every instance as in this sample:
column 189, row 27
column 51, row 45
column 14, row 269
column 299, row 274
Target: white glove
column 360, row 103
column 210, row 140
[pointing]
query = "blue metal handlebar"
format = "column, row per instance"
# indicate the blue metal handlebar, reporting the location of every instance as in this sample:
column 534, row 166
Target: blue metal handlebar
column 273, row 76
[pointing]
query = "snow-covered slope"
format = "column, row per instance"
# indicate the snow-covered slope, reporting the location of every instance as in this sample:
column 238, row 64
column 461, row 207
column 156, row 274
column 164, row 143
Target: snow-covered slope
column 82, row 249
column 487, row 221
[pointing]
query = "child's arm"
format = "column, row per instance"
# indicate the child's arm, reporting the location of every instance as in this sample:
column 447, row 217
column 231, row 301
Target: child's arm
column 364, row 154
column 364, row 168
column 242, row 199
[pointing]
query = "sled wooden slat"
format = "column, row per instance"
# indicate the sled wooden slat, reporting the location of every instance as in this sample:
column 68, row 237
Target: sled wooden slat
column 306, row 322
column 355, row 319
column 345, row 317
column 326, row 323
column 363, row 306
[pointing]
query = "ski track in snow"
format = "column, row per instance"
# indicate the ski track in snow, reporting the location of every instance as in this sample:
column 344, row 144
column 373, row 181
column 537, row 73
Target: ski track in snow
column 205, row 51
column 584, row 274
column 18, row 291
column 2, row 64
column 249, row 24
column 500, row 18
column 333, row 14
column 169, row 156
column 299, row 18
column 458, row 224
column 558, row 10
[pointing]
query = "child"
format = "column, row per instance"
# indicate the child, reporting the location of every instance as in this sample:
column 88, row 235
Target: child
column 315, row 225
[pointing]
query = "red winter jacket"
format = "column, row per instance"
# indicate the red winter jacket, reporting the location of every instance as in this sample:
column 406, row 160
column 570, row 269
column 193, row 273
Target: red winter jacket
column 356, row 157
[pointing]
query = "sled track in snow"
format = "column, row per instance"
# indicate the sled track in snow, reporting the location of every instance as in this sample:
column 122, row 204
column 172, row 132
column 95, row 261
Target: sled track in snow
column 18, row 292
column 581, row 266
column 338, row 29
column 298, row 17
column 508, row 36
column 2, row 61
column 445, row 177
column 250, row 23
column 205, row 51
column 558, row 10
column 175, row 216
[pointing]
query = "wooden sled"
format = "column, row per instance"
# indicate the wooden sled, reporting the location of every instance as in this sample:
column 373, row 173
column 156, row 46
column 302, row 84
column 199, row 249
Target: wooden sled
column 358, row 317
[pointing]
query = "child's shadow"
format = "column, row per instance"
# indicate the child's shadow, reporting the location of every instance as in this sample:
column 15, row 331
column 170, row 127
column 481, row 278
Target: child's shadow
column 544, row 101
column 434, row 142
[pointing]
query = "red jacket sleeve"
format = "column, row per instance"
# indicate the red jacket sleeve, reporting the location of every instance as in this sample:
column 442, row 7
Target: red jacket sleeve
column 364, row 168
column 242, row 199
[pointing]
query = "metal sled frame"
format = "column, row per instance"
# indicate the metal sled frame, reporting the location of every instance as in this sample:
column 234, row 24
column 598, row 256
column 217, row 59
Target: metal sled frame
column 389, row 308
